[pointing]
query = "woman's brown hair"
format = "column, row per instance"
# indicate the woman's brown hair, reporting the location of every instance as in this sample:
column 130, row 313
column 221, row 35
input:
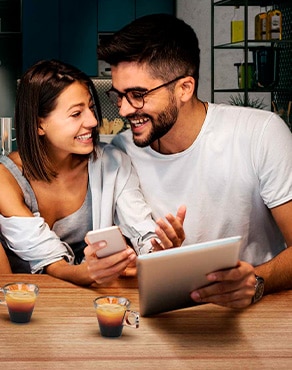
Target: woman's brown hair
column 37, row 95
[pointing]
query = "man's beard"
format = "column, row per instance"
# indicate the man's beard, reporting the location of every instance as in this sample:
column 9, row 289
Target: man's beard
column 164, row 122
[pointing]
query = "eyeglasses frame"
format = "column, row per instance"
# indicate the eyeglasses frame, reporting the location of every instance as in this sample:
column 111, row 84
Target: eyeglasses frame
column 120, row 95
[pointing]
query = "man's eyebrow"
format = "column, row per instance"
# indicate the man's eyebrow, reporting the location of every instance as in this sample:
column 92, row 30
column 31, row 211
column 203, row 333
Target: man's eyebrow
column 137, row 88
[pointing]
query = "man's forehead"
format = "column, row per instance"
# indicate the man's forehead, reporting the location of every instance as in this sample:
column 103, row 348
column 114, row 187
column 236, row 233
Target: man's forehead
column 130, row 76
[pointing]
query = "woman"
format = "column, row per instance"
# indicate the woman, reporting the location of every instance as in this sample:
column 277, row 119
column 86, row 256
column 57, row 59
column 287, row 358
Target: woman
column 61, row 184
column 4, row 263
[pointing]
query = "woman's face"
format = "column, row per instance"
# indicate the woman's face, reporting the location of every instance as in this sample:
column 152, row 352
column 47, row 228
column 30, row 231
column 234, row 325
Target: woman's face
column 68, row 128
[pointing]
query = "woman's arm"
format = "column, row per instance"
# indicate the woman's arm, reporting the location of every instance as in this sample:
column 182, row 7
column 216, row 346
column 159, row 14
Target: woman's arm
column 42, row 248
column 4, row 263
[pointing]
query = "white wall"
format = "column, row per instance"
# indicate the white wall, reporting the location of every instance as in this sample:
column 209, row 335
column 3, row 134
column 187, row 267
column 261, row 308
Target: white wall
column 197, row 13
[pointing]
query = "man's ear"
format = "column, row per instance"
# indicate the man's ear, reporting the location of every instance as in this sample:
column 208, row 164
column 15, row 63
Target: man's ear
column 188, row 85
column 41, row 129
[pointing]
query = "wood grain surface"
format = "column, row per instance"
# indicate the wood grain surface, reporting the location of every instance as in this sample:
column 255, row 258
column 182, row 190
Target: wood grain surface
column 64, row 334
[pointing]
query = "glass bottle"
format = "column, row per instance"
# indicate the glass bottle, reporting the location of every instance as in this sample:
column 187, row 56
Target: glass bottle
column 274, row 24
column 261, row 25
column 237, row 26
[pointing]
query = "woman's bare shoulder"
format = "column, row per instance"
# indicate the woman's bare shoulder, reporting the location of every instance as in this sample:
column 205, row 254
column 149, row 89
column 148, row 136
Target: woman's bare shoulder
column 6, row 175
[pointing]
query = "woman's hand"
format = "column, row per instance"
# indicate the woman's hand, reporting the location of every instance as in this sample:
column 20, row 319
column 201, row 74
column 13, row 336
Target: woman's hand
column 130, row 270
column 106, row 269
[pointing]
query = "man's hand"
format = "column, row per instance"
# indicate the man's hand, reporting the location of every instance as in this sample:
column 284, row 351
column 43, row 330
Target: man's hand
column 232, row 288
column 170, row 233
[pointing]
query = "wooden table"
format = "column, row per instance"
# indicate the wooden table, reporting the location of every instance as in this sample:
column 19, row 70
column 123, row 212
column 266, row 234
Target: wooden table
column 64, row 334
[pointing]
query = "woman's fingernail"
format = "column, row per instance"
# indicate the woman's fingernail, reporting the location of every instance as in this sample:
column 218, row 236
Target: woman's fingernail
column 196, row 297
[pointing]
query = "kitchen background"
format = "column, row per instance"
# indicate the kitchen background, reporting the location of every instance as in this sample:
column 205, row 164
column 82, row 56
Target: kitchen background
column 69, row 30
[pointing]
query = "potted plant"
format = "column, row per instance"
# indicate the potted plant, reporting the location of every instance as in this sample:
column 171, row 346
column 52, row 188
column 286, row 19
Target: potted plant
column 254, row 102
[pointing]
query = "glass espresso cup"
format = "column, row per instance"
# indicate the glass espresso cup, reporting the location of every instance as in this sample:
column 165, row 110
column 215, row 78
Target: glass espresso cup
column 20, row 300
column 113, row 314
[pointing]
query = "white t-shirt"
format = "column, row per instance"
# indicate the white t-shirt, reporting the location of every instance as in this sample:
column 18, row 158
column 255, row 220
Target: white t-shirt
column 239, row 166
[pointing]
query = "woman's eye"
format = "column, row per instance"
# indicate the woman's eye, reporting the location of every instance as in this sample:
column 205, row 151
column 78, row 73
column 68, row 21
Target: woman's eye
column 76, row 114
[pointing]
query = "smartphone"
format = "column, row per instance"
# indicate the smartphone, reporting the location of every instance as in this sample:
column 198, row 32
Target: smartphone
column 112, row 236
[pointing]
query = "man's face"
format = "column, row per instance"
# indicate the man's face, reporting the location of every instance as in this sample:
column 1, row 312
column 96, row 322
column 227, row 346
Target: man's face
column 159, row 112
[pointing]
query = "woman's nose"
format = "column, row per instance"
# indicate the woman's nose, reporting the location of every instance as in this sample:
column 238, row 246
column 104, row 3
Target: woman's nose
column 91, row 120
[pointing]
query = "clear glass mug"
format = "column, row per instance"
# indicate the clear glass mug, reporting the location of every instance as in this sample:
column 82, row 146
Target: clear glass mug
column 113, row 314
column 20, row 300
column 6, row 135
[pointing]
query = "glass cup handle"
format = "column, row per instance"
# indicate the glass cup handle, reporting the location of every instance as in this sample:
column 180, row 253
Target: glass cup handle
column 131, row 319
column 2, row 301
column 13, row 138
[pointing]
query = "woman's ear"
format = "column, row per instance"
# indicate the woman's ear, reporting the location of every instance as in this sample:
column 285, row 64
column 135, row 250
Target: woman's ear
column 187, row 88
column 41, row 130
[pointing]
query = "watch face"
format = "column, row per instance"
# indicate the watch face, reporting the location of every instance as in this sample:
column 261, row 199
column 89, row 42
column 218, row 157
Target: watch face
column 259, row 289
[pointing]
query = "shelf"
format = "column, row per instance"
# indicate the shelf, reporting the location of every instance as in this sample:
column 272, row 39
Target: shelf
column 281, row 92
column 252, row 44
column 261, row 90
column 10, row 34
column 249, row 2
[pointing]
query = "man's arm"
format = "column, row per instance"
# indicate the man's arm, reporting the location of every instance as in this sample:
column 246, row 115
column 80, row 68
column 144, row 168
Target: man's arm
column 278, row 271
column 235, row 287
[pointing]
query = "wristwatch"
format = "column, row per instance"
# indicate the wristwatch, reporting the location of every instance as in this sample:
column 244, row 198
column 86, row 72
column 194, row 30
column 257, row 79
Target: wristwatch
column 259, row 289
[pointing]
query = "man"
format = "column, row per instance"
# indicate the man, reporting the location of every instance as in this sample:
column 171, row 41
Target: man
column 230, row 166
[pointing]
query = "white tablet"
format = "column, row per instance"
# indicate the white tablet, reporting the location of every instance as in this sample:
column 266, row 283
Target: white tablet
column 166, row 278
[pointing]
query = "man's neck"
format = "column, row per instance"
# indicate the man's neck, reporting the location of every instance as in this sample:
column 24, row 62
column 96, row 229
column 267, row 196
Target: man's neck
column 185, row 131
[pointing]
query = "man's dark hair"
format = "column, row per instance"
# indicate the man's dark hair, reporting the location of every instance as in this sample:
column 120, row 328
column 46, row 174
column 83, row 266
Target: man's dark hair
column 164, row 43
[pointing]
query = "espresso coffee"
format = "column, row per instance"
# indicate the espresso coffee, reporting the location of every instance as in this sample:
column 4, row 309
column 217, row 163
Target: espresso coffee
column 20, row 304
column 113, row 314
column 110, row 318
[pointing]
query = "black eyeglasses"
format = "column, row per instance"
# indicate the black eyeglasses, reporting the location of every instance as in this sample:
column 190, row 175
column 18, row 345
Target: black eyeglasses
column 134, row 97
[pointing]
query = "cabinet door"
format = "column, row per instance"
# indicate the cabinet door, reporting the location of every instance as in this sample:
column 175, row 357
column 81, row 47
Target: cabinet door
column 153, row 6
column 40, row 31
column 78, row 34
column 114, row 14
column 64, row 29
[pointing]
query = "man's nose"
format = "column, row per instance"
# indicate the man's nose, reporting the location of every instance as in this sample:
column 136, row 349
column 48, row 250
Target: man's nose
column 125, row 108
